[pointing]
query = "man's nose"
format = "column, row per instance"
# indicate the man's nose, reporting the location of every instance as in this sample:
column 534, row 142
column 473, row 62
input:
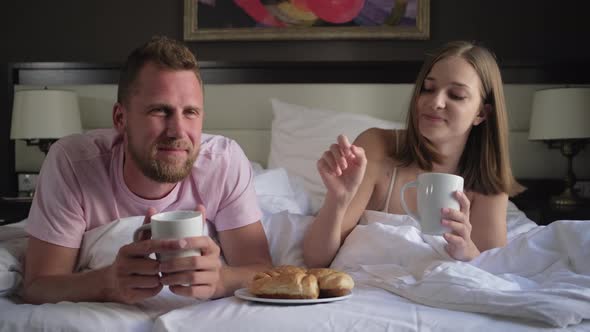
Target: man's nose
column 174, row 125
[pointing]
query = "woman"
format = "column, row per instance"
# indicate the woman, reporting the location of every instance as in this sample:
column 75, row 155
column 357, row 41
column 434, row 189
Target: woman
column 457, row 123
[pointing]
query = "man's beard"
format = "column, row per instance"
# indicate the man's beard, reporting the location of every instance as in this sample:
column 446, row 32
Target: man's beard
column 160, row 170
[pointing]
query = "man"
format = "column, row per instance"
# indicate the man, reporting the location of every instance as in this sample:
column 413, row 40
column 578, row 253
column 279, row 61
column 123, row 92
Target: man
column 156, row 159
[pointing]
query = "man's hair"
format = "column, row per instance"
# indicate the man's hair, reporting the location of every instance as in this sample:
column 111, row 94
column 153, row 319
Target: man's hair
column 163, row 52
column 485, row 163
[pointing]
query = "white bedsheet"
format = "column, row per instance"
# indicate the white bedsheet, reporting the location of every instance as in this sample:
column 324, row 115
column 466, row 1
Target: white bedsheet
column 12, row 246
column 543, row 274
column 369, row 309
column 284, row 206
column 67, row 316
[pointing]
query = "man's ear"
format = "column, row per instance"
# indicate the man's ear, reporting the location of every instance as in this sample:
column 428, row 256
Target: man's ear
column 482, row 114
column 119, row 118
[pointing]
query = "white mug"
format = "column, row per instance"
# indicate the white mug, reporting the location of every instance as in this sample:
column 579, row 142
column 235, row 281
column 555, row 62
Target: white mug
column 434, row 192
column 174, row 225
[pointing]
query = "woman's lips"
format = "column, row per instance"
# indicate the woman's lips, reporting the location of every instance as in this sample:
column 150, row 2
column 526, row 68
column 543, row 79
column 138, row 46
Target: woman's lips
column 433, row 118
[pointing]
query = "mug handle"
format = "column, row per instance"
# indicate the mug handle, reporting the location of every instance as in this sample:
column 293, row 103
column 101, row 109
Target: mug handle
column 404, row 206
column 137, row 233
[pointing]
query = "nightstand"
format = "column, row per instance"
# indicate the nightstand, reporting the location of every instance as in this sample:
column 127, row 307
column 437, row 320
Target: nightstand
column 13, row 209
column 534, row 202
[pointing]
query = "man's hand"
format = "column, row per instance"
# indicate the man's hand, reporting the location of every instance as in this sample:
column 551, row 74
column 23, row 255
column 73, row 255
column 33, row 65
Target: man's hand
column 134, row 276
column 196, row 276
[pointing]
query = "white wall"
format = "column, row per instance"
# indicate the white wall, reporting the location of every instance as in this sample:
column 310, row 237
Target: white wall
column 244, row 113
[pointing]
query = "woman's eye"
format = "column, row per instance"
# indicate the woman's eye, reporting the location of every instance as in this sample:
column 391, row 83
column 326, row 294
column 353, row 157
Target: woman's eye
column 426, row 89
column 457, row 97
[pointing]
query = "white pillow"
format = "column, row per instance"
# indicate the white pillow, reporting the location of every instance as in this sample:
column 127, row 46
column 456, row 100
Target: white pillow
column 275, row 193
column 300, row 135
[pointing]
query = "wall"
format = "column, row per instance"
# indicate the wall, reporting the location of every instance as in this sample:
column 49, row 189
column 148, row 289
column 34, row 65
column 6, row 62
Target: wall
column 520, row 32
column 99, row 31
column 247, row 114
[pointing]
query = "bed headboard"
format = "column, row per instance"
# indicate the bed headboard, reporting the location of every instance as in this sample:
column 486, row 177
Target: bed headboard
column 237, row 101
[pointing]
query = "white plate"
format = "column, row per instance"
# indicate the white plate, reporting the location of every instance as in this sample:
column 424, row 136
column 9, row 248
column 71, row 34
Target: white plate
column 243, row 293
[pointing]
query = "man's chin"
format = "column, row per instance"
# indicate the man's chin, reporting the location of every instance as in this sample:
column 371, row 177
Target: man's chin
column 171, row 171
column 168, row 176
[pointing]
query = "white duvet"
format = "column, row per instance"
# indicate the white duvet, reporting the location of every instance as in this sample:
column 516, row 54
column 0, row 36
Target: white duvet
column 541, row 277
column 542, row 274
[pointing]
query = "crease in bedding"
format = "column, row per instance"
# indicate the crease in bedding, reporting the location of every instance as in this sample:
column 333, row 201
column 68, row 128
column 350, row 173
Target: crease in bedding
column 542, row 274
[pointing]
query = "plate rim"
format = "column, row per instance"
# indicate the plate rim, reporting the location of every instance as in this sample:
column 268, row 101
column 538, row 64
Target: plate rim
column 244, row 294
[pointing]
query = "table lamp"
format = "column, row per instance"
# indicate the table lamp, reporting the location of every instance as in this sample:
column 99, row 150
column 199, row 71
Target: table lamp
column 41, row 117
column 561, row 119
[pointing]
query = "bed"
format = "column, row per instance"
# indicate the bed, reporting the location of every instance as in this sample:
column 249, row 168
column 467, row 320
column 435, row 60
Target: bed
column 283, row 116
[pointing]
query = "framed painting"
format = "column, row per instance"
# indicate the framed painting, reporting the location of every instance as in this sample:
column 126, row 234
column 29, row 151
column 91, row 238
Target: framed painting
column 209, row 20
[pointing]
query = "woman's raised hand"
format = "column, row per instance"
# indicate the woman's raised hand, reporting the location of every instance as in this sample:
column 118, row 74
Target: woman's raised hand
column 342, row 168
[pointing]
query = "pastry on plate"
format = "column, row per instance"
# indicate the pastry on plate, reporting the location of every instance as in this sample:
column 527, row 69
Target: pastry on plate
column 293, row 282
column 331, row 282
column 285, row 282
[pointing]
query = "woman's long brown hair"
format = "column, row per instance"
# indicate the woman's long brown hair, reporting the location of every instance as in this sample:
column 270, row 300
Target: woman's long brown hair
column 485, row 162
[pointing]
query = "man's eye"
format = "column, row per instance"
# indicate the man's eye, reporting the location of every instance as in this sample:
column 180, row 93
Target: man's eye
column 158, row 111
column 193, row 113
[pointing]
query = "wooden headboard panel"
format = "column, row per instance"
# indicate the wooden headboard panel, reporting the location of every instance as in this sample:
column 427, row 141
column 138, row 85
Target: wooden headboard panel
column 43, row 73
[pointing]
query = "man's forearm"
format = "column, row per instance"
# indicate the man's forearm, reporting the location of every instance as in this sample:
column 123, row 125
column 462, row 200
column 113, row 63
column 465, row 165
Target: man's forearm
column 236, row 277
column 76, row 287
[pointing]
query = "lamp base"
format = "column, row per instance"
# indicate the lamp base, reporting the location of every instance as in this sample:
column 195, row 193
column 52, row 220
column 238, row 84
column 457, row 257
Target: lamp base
column 568, row 198
column 43, row 143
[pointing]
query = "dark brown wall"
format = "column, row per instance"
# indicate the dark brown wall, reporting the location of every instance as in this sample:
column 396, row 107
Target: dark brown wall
column 105, row 30
column 519, row 31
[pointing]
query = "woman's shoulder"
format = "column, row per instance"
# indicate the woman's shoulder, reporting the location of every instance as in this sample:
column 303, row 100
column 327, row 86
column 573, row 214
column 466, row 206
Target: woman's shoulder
column 486, row 200
column 378, row 143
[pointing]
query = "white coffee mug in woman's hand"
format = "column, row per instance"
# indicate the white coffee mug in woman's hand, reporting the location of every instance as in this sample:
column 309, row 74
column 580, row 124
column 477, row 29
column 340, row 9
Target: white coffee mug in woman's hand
column 434, row 192
column 174, row 225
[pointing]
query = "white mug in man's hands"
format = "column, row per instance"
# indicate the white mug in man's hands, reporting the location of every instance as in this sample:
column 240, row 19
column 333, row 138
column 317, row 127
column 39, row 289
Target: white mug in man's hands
column 434, row 192
column 174, row 225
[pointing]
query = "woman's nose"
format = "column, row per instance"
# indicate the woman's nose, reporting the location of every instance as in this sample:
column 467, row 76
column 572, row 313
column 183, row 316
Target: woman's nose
column 437, row 100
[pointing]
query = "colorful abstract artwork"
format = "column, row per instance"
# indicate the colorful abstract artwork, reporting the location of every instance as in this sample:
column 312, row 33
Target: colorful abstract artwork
column 305, row 19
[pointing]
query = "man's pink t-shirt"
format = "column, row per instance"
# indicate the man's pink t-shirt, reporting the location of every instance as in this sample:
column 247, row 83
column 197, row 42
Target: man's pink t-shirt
column 81, row 187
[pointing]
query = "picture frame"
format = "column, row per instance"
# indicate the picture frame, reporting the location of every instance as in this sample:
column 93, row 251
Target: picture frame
column 235, row 20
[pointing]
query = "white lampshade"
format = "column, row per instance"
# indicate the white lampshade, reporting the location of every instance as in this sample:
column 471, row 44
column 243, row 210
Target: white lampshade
column 45, row 114
column 562, row 113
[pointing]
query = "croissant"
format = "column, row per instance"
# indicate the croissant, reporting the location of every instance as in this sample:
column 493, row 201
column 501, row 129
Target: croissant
column 331, row 282
column 288, row 283
column 292, row 282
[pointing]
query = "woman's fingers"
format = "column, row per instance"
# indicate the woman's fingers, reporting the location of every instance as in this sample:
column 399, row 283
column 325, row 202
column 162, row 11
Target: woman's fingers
column 464, row 202
column 344, row 144
column 454, row 240
column 454, row 215
column 339, row 156
column 456, row 227
column 359, row 155
column 328, row 164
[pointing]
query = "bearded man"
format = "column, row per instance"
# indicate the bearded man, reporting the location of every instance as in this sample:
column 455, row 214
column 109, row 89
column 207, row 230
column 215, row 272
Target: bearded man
column 155, row 159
